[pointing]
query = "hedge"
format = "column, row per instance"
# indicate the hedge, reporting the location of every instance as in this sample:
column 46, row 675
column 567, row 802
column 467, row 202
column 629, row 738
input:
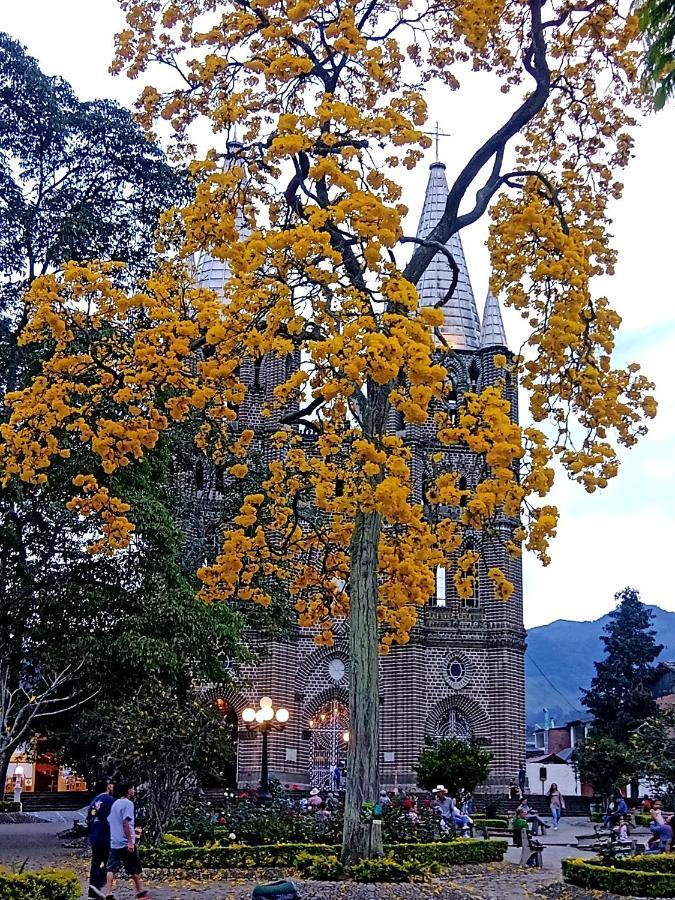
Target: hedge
column 47, row 884
column 592, row 875
column 237, row 856
column 658, row 862
column 481, row 822
column 451, row 853
column 9, row 806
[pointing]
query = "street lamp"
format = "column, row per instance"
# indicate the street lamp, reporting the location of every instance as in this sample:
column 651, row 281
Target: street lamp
column 264, row 720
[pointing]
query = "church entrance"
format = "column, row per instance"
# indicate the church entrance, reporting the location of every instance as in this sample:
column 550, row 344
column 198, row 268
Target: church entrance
column 328, row 749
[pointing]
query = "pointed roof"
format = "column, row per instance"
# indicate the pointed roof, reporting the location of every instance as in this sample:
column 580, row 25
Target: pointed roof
column 492, row 332
column 462, row 325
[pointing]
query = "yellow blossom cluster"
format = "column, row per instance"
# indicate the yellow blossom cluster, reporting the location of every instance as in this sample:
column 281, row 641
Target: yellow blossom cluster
column 315, row 107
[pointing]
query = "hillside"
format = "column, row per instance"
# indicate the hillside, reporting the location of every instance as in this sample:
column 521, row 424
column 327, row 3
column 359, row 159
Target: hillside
column 564, row 652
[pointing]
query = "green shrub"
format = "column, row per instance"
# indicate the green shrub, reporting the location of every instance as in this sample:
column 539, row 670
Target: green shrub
column 481, row 822
column 616, row 879
column 46, row 884
column 384, row 868
column 9, row 806
column 237, row 856
column 643, row 819
column 233, row 856
column 453, row 853
column 320, row 868
column 660, row 862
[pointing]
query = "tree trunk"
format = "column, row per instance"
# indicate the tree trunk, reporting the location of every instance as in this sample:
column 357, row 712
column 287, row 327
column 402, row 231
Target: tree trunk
column 363, row 776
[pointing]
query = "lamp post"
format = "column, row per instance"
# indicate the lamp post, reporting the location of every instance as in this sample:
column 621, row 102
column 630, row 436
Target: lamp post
column 265, row 719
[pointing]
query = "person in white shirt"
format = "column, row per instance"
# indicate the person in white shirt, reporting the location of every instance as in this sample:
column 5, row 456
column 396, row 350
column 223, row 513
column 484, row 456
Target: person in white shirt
column 123, row 853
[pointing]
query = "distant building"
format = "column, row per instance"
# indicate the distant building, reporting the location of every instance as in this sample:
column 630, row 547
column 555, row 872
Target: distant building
column 549, row 759
column 663, row 689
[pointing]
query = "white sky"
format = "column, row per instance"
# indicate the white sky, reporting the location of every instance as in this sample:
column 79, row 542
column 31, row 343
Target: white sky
column 617, row 537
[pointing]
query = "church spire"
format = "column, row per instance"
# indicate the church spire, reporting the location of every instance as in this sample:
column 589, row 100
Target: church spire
column 211, row 272
column 492, row 332
column 461, row 327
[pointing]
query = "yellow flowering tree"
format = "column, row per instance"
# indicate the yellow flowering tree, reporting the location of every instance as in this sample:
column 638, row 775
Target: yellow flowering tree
column 328, row 102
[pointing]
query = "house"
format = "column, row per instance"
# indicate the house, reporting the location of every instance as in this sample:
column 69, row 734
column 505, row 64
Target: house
column 549, row 759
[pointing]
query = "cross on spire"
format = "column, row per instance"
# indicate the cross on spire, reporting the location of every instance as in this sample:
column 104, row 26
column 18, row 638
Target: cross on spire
column 436, row 134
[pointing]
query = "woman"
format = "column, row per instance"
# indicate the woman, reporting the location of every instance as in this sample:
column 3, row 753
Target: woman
column 556, row 804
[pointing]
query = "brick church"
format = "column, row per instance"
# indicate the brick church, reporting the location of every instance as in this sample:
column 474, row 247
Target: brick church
column 462, row 673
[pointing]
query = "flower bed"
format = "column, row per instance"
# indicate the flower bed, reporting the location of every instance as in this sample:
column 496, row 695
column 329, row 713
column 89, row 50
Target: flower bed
column 237, row 856
column 46, row 884
column 636, row 876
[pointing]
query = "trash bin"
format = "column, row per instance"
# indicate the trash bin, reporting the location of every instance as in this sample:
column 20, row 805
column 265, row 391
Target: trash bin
column 282, row 890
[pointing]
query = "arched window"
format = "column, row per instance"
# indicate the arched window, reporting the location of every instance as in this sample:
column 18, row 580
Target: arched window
column 220, row 479
column 472, row 602
column 440, row 586
column 455, row 725
column 474, row 375
column 463, row 485
column 199, row 475
column 257, row 364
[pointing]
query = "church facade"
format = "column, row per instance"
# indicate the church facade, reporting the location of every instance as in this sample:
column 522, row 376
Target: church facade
column 462, row 673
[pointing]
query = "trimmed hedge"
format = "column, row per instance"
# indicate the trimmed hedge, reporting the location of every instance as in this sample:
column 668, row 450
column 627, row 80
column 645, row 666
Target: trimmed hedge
column 236, row 856
column 658, row 862
column 46, row 884
column 451, row 853
column 592, row 875
column 481, row 822
column 9, row 806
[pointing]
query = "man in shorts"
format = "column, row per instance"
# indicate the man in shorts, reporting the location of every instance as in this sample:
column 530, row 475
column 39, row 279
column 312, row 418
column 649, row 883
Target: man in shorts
column 123, row 855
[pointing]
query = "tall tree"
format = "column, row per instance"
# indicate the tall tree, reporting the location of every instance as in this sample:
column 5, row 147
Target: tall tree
column 620, row 698
column 329, row 103
column 606, row 764
column 657, row 23
column 77, row 180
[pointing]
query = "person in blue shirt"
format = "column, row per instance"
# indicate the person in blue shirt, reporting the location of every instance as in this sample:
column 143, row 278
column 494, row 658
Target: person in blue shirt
column 99, row 837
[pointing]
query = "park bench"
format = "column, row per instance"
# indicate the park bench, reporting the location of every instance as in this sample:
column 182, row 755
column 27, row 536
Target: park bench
column 532, row 851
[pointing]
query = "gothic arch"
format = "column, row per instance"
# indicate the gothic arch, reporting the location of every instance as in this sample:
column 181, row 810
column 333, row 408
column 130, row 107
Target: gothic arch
column 472, row 711
column 314, row 706
column 316, row 657
column 229, row 694
column 457, row 373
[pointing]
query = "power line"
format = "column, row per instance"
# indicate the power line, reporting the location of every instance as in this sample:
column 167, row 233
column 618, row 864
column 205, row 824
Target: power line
column 548, row 680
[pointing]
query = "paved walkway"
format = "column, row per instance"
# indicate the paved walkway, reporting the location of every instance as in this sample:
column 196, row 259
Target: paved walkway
column 40, row 844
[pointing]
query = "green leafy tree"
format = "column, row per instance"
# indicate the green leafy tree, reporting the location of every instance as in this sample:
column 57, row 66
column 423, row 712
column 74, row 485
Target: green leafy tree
column 459, row 765
column 163, row 741
column 654, row 747
column 657, row 23
column 605, row 763
column 619, row 698
column 76, row 180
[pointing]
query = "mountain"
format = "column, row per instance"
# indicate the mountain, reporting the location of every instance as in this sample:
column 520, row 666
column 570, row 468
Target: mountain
column 559, row 663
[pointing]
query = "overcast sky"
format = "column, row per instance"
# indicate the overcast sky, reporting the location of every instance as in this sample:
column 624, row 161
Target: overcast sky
column 621, row 536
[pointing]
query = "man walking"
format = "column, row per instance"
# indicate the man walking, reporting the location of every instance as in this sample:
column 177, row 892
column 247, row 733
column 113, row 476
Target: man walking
column 99, row 837
column 123, row 843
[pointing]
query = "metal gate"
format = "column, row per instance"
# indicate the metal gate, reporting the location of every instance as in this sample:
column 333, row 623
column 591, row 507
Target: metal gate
column 455, row 725
column 328, row 751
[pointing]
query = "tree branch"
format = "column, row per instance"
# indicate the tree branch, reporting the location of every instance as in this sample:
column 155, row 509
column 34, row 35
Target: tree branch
column 536, row 64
